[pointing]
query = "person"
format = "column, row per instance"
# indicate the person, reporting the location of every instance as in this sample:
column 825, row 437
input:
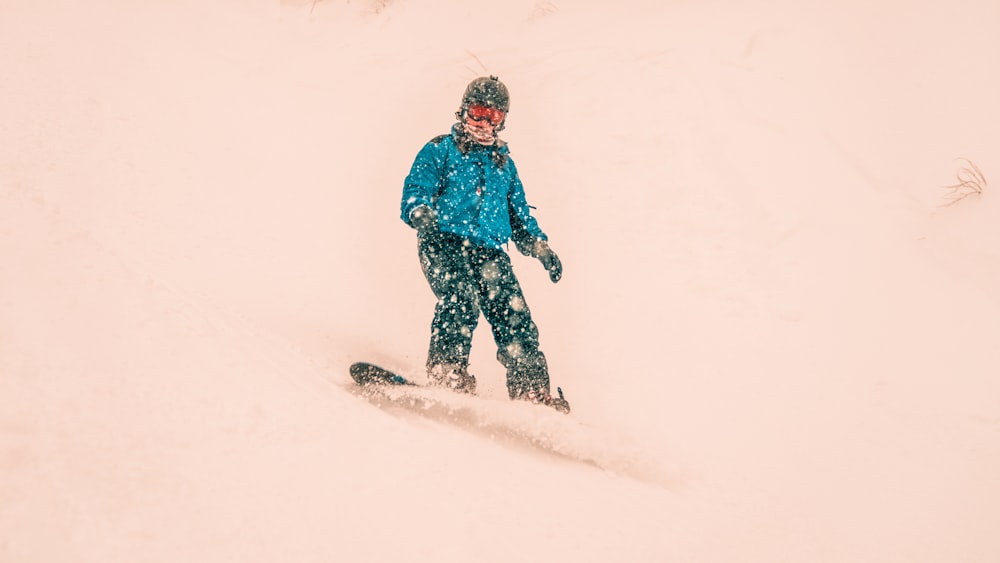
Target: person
column 465, row 200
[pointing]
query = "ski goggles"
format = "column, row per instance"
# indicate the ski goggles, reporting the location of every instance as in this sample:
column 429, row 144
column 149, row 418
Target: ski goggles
column 479, row 112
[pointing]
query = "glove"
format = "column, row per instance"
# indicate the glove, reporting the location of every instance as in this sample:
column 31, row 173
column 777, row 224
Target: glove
column 424, row 219
column 549, row 260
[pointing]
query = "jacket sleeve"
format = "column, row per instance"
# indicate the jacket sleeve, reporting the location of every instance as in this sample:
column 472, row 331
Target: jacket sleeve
column 524, row 228
column 425, row 180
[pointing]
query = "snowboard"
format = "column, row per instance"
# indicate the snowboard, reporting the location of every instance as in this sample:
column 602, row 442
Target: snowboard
column 371, row 377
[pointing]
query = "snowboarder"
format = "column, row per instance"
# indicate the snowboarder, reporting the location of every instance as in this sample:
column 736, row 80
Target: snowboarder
column 466, row 201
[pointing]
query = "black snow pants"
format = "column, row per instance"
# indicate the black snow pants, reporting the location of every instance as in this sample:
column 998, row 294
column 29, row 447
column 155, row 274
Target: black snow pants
column 467, row 280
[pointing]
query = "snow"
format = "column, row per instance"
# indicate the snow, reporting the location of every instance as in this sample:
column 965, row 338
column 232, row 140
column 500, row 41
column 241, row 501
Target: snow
column 778, row 340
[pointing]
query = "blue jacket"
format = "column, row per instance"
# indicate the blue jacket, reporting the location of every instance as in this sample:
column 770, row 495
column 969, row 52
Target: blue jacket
column 475, row 190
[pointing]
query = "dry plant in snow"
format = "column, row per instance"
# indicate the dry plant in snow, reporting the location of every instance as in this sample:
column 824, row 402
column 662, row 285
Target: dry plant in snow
column 970, row 181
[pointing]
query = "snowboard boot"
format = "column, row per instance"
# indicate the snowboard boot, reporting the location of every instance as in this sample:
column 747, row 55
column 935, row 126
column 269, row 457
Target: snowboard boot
column 542, row 397
column 528, row 380
column 453, row 376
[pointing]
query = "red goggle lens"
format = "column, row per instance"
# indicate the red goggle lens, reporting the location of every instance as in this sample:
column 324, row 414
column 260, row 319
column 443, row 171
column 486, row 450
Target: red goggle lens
column 479, row 112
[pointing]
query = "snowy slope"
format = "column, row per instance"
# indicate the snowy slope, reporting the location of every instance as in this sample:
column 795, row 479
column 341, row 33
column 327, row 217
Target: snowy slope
column 774, row 334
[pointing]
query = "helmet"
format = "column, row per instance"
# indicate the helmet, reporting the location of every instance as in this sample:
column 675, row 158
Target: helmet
column 487, row 91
